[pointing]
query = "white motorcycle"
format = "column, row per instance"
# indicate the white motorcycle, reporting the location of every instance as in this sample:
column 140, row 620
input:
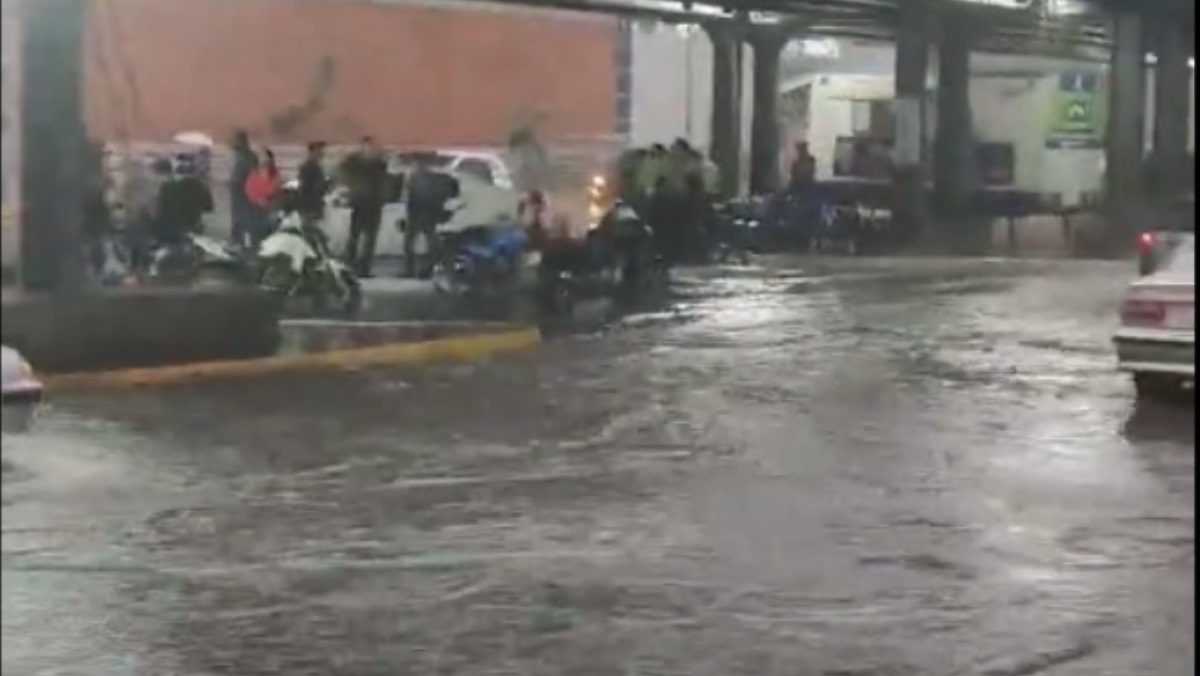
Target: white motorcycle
column 200, row 261
column 295, row 261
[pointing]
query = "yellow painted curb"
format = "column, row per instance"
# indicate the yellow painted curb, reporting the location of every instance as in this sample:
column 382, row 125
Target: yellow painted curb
column 456, row 348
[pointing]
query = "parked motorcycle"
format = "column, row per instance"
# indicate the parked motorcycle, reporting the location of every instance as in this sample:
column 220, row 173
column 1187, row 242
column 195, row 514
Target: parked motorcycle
column 481, row 261
column 737, row 231
column 839, row 229
column 295, row 261
column 200, row 261
column 616, row 259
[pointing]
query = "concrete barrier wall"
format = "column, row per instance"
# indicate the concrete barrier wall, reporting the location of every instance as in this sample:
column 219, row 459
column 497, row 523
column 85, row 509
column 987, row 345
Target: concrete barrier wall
column 129, row 328
column 1047, row 235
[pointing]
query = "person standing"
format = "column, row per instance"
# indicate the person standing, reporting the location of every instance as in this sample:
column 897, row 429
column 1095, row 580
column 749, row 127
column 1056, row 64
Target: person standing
column 183, row 202
column 428, row 193
column 97, row 212
column 650, row 170
column 313, row 185
column 801, row 163
column 366, row 174
column 241, row 210
column 262, row 190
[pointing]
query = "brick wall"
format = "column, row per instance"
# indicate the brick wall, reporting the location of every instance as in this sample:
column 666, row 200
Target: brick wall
column 292, row 70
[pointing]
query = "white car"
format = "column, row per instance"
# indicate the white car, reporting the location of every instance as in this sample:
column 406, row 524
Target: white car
column 21, row 389
column 19, row 383
column 487, row 166
column 487, row 196
column 1156, row 341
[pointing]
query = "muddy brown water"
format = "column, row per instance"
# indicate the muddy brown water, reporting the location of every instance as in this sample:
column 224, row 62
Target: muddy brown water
column 815, row 467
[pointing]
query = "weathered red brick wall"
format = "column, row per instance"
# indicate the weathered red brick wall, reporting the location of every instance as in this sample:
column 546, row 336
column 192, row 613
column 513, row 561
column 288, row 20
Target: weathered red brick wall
column 292, row 70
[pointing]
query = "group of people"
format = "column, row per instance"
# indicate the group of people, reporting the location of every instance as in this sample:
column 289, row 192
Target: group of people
column 369, row 186
column 169, row 198
column 673, row 189
column 257, row 191
column 160, row 208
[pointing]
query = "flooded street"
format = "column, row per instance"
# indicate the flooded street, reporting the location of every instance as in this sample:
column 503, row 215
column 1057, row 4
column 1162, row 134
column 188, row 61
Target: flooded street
column 850, row 468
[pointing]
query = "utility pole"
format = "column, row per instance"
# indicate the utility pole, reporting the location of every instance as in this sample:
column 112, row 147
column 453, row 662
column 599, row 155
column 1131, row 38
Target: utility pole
column 53, row 145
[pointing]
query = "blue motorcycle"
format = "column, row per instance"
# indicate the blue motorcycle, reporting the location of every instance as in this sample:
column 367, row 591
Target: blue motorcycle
column 480, row 261
column 809, row 220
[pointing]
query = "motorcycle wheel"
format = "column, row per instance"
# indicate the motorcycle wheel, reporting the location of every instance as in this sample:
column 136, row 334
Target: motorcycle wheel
column 352, row 296
column 444, row 280
column 214, row 277
column 346, row 291
column 555, row 298
column 278, row 277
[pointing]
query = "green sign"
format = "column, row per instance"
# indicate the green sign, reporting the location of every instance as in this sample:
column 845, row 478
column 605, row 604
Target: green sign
column 1076, row 112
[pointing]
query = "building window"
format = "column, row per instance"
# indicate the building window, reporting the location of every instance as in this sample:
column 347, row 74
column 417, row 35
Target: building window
column 624, row 74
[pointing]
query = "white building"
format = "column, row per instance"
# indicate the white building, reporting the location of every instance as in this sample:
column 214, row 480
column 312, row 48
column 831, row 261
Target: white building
column 829, row 87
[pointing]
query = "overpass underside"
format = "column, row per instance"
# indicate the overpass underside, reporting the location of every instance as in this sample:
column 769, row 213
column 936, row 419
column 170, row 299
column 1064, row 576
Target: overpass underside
column 1119, row 32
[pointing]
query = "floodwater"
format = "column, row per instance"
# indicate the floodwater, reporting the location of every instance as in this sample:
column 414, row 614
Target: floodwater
column 851, row 468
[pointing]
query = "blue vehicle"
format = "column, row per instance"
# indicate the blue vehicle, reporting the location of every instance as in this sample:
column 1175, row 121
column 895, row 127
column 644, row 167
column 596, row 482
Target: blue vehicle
column 738, row 230
column 481, row 260
column 809, row 220
column 791, row 220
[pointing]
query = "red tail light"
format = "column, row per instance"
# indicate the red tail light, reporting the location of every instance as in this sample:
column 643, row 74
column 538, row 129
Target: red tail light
column 1145, row 241
column 1143, row 313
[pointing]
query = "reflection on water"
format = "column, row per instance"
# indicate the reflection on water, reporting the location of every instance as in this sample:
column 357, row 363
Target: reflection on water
column 773, row 477
column 1170, row 419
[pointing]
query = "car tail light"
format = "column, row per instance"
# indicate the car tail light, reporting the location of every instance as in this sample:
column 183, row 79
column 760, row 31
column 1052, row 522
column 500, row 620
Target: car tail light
column 1145, row 241
column 1143, row 313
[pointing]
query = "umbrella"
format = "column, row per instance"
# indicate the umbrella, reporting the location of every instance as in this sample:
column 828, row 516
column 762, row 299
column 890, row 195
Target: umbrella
column 194, row 138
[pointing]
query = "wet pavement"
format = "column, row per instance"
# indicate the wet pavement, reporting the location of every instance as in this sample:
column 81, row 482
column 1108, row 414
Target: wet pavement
column 863, row 467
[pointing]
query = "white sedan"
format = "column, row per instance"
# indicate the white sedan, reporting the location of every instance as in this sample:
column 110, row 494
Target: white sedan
column 21, row 388
column 1156, row 341
column 481, row 203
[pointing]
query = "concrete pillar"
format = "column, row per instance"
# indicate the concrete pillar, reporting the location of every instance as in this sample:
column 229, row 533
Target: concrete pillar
column 725, row 147
column 910, row 213
column 768, row 42
column 1172, row 100
column 1124, row 174
column 54, row 146
column 953, row 152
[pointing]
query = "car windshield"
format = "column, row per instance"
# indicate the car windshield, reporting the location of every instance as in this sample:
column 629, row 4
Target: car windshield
column 434, row 159
column 477, row 168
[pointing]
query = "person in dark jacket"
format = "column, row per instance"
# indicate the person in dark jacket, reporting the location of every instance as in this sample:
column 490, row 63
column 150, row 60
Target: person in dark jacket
column 803, row 166
column 313, row 185
column 428, row 193
column 182, row 202
column 241, row 210
column 97, row 214
column 366, row 175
